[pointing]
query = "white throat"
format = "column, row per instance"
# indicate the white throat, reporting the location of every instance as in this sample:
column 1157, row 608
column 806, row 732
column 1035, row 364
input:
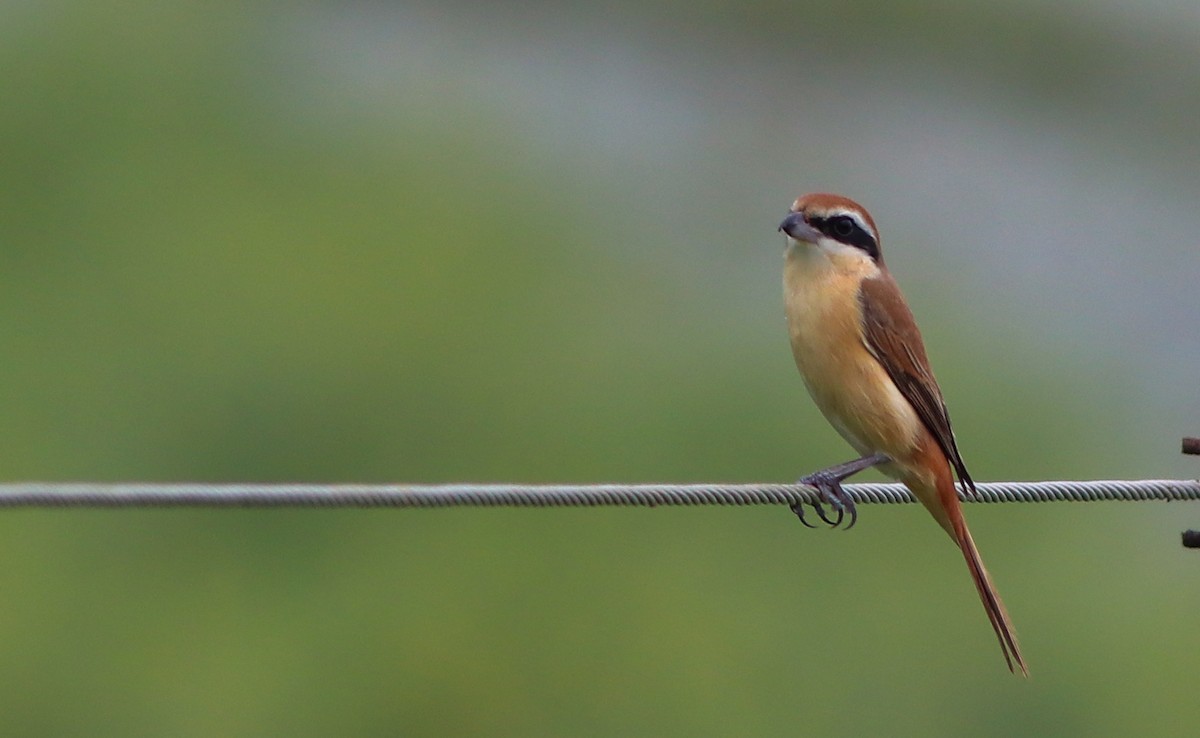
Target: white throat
column 827, row 253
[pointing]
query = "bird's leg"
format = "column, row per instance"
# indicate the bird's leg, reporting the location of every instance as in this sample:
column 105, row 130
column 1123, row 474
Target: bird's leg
column 828, row 483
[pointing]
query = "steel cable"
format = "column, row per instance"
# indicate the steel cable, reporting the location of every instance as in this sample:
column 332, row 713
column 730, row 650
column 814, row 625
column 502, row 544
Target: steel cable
column 203, row 495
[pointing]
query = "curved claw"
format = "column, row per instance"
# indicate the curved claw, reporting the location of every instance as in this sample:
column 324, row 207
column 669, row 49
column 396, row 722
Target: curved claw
column 843, row 502
column 831, row 492
column 798, row 508
column 821, row 512
column 828, row 483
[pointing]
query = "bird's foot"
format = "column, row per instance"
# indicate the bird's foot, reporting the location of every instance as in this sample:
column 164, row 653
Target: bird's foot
column 828, row 484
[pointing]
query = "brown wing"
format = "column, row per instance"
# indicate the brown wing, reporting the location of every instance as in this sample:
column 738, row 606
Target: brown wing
column 893, row 339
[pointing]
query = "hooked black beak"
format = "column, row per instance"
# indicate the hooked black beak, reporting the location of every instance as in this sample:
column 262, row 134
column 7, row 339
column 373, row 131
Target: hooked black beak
column 798, row 229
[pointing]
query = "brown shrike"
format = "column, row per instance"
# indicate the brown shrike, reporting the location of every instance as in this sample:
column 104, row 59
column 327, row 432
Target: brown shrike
column 863, row 361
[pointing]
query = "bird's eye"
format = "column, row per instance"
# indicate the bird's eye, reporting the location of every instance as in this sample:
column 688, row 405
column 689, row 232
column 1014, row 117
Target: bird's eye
column 842, row 226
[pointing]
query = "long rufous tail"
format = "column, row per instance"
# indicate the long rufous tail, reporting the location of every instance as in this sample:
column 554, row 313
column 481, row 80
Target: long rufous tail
column 983, row 583
column 993, row 604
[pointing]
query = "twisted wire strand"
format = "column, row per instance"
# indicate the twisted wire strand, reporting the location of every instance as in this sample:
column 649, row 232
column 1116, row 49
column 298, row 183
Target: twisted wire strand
column 201, row 495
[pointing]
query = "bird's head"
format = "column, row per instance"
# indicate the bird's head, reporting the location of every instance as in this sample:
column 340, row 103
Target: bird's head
column 833, row 224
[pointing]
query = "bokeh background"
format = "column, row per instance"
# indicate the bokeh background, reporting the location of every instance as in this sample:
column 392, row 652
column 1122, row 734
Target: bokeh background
column 535, row 242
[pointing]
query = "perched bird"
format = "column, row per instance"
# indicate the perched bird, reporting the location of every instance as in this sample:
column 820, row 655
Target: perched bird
column 863, row 362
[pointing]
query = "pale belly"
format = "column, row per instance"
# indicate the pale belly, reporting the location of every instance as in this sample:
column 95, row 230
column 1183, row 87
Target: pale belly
column 846, row 382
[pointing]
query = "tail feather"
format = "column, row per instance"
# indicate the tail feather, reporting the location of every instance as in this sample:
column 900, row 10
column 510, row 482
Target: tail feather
column 998, row 616
column 948, row 512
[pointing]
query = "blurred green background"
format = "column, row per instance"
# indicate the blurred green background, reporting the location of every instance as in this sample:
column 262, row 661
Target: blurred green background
column 535, row 242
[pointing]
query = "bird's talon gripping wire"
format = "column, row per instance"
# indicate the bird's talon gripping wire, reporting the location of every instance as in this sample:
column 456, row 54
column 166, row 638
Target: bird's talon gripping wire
column 830, row 490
